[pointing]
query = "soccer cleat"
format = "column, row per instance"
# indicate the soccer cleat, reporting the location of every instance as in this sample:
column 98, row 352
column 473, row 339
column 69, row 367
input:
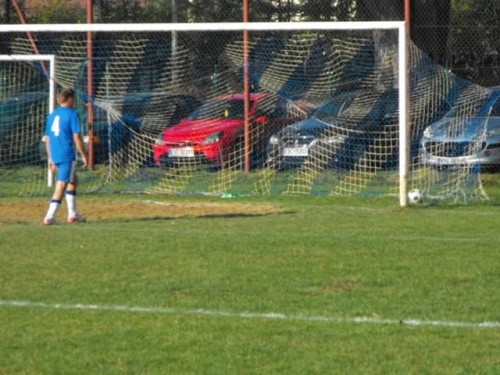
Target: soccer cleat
column 51, row 221
column 77, row 219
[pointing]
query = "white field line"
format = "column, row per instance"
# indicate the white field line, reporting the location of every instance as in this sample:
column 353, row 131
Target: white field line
column 249, row 315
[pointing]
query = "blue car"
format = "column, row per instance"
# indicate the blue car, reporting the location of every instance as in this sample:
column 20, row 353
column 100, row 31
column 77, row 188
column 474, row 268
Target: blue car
column 458, row 140
column 22, row 123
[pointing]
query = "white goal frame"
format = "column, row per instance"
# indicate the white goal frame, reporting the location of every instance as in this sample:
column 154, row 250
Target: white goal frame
column 52, row 86
column 399, row 26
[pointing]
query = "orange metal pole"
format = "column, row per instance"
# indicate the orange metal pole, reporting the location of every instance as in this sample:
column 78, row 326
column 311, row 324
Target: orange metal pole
column 90, row 83
column 30, row 35
column 246, row 86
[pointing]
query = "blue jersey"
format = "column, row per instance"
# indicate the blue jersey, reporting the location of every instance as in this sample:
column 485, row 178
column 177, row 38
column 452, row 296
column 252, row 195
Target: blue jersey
column 62, row 124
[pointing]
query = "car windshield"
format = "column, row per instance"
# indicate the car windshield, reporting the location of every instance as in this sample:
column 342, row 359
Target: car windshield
column 331, row 109
column 232, row 109
column 472, row 110
column 454, row 112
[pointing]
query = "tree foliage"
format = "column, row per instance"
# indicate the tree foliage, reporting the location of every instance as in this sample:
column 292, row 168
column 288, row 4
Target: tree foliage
column 461, row 33
column 55, row 11
column 328, row 10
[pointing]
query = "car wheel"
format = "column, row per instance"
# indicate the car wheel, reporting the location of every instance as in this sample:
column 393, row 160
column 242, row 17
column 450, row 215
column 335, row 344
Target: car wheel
column 164, row 162
column 237, row 155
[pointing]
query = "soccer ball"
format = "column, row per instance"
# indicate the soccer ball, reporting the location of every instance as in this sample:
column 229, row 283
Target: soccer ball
column 415, row 196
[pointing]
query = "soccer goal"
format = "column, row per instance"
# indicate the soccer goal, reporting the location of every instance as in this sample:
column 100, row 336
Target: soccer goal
column 27, row 95
column 332, row 109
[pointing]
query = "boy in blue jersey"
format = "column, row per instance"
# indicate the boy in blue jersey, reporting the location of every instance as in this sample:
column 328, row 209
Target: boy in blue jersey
column 62, row 134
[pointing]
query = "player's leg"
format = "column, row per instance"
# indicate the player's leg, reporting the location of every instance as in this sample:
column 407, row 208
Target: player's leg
column 73, row 216
column 55, row 202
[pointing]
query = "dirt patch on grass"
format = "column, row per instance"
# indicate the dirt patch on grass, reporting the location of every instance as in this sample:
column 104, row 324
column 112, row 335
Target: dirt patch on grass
column 328, row 289
column 98, row 210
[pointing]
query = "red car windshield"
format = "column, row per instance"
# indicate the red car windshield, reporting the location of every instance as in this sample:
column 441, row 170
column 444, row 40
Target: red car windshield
column 232, row 109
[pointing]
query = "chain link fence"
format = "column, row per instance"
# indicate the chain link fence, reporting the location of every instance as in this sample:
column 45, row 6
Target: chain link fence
column 461, row 35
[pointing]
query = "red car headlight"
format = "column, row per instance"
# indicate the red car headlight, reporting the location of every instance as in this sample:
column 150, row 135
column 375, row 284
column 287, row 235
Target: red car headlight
column 160, row 140
column 213, row 138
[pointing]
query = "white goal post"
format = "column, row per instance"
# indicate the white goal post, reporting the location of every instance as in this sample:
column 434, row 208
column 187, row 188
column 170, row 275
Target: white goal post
column 51, row 59
column 398, row 26
column 52, row 69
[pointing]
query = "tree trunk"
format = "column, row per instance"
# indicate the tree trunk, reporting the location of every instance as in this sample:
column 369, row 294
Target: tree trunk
column 385, row 41
column 98, row 11
column 5, row 11
column 432, row 41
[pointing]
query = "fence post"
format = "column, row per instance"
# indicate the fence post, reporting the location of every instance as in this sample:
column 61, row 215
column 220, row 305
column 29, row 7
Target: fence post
column 246, row 85
column 90, row 83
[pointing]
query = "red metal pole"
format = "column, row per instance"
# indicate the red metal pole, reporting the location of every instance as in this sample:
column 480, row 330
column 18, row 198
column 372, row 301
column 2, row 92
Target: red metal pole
column 246, row 86
column 30, row 35
column 408, row 17
column 90, row 83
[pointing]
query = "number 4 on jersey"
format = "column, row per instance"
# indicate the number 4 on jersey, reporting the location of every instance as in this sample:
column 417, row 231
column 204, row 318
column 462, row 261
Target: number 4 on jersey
column 55, row 126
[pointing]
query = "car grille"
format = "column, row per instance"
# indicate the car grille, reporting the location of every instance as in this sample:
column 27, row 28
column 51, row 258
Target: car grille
column 452, row 149
column 494, row 146
column 181, row 144
column 298, row 140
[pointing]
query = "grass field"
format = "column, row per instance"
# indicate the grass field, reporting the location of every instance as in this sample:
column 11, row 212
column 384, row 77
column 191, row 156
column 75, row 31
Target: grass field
column 321, row 262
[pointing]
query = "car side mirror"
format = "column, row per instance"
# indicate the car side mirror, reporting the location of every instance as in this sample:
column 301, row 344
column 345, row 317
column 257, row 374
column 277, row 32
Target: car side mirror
column 262, row 120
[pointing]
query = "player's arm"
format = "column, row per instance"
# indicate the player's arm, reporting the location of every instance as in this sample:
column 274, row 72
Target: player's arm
column 46, row 139
column 79, row 146
column 77, row 137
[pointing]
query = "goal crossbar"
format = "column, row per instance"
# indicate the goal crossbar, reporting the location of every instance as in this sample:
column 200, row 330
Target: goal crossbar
column 192, row 27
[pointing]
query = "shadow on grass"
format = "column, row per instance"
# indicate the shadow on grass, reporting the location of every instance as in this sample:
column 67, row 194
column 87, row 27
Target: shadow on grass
column 191, row 217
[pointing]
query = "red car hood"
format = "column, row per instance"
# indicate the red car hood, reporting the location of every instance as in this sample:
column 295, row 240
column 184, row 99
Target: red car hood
column 197, row 130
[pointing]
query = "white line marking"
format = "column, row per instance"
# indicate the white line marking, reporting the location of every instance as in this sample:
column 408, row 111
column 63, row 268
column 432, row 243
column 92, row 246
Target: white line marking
column 249, row 315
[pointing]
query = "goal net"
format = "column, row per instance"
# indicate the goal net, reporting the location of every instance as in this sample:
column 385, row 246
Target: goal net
column 331, row 110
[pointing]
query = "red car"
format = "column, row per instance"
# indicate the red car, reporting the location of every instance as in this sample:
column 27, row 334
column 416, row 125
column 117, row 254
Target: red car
column 213, row 134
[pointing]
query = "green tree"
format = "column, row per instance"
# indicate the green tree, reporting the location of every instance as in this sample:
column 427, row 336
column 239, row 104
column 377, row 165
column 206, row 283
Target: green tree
column 116, row 11
column 5, row 12
column 215, row 11
column 474, row 43
column 328, row 10
column 57, row 11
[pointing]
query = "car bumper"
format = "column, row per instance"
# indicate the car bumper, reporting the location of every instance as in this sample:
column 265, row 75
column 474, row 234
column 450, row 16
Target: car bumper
column 462, row 160
column 202, row 154
column 488, row 154
column 317, row 153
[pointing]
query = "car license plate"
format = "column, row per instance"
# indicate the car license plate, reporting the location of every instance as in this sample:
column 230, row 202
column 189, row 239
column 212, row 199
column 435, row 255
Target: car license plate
column 296, row 151
column 185, row 152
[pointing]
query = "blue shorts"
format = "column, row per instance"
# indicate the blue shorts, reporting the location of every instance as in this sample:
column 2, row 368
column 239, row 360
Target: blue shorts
column 66, row 171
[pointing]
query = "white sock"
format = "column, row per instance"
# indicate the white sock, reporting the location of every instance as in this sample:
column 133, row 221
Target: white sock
column 53, row 207
column 71, row 202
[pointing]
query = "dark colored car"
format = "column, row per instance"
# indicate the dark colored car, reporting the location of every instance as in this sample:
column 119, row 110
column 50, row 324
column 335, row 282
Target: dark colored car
column 354, row 130
column 22, row 116
column 342, row 133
